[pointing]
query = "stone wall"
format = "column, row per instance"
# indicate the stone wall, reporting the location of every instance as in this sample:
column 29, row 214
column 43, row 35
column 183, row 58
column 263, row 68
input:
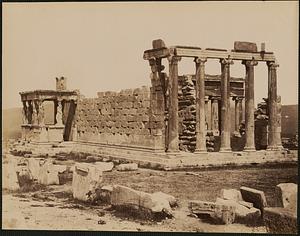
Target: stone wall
column 187, row 113
column 118, row 118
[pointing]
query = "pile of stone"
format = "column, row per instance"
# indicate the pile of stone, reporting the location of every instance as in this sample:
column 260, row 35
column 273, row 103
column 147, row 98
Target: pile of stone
column 241, row 206
column 87, row 186
column 249, row 206
column 187, row 113
column 261, row 124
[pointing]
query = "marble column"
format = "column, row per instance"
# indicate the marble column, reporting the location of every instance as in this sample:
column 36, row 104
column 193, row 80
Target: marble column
column 249, row 105
column 238, row 112
column 200, row 106
column 272, row 105
column 173, row 135
column 59, row 113
column 215, row 116
column 208, row 113
column 278, row 130
column 225, row 105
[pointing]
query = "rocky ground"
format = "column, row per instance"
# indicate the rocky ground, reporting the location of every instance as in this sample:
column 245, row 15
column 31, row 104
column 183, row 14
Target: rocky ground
column 53, row 207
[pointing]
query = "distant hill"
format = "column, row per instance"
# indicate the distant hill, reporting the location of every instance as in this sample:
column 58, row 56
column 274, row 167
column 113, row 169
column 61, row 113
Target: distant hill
column 11, row 123
column 12, row 120
column 289, row 120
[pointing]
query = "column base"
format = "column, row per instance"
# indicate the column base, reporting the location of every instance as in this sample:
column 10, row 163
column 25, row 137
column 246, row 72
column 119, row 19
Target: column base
column 249, row 149
column 274, row 148
column 200, row 151
column 225, row 150
column 172, row 152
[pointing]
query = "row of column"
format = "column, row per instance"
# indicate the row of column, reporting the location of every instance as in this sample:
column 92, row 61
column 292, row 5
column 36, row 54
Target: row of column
column 34, row 112
column 274, row 135
column 212, row 113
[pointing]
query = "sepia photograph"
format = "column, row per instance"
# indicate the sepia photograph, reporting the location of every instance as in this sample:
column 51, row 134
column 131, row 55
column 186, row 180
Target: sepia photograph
column 150, row 116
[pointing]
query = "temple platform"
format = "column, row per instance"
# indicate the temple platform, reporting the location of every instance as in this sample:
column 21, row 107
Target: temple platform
column 163, row 161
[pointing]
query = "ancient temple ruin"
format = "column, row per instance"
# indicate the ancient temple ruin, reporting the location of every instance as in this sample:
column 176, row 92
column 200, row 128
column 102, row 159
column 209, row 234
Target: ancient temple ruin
column 34, row 128
column 177, row 113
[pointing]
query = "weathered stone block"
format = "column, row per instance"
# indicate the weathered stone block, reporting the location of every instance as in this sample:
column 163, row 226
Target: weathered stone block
column 104, row 166
column 222, row 212
column 287, row 194
column 280, row 220
column 255, row 196
column 127, row 167
column 158, row 43
column 48, row 173
column 243, row 214
column 245, row 46
column 124, row 196
column 171, row 199
column 9, row 177
column 231, row 194
column 34, row 166
column 86, row 179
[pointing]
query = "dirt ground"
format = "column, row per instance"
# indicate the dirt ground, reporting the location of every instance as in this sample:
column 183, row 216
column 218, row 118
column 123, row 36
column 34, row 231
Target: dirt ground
column 53, row 208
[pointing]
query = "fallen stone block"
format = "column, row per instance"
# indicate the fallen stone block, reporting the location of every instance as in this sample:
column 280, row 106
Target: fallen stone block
column 246, row 204
column 280, row 220
column 287, row 194
column 171, row 199
column 9, row 177
column 138, row 200
column 48, row 173
column 34, row 166
column 105, row 166
column 231, row 194
column 222, row 212
column 127, row 167
column 243, row 214
column 255, row 196
column 86, row 179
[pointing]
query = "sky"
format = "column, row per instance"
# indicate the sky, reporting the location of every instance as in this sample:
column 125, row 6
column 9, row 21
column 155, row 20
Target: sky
column 99, row 46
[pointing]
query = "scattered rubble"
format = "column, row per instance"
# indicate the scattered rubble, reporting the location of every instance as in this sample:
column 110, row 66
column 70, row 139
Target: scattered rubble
column 223, row 213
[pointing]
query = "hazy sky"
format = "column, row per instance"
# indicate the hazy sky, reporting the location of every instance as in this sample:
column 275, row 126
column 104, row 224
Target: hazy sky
column 99, row 46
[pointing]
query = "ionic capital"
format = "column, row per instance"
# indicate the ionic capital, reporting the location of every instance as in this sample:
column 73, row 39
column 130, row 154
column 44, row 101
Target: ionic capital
column 238, row 99
column 173, row 60
column 215, row 98
column 226, row 61
column 199, row 60
column 249, row 63
column 272, row 64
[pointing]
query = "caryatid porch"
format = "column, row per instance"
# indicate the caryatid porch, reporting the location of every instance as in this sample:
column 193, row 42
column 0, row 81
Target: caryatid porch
column 249, row 56
column 34, row 128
